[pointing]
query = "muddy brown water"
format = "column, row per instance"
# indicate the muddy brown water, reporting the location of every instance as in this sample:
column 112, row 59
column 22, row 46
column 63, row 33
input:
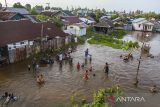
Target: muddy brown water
column 62, row 83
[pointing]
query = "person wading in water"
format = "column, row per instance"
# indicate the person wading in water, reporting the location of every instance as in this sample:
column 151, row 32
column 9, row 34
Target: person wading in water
column 106, row 68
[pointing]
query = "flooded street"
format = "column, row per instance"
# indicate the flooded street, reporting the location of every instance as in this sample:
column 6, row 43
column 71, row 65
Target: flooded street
column 62, row 83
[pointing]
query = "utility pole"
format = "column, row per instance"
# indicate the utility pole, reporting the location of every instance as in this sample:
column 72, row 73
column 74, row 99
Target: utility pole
column 48, row 4
column 139, row 60
column 42, row 28
column 6, row 3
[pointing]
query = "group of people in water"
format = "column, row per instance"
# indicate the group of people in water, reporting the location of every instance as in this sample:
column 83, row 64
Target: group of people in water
column 7, row 97
column 90, row 69
column 127, row 57
column 65, row 56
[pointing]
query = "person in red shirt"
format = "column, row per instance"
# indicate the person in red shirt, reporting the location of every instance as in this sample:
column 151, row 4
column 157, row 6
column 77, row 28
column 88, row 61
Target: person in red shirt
column 78, row 66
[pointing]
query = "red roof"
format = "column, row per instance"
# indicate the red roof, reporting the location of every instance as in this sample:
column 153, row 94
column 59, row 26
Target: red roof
column 15, row 31
column 71, row 19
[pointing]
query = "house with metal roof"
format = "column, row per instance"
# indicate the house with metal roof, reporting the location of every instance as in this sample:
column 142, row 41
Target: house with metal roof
column 22, row 11
column 141, row 24
column 10, row 16
column 104, row 26
column 20, row 39
column 74, row 25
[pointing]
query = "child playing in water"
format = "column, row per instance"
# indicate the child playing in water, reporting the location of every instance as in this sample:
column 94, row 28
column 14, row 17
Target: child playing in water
column 85, row 77
column 90, row 69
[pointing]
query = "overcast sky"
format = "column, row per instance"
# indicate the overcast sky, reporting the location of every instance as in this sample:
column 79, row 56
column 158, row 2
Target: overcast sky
column 145, row 5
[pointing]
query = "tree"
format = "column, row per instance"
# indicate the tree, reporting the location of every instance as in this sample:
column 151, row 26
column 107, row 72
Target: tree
column 114, row 16
column 28, row 7
column 67, row 8
column 72, row 9
column 42, row 18
column 99, row 14
column 104, row 11
column 47, row 8
column 18, row 5
column 56, row 20
column 34, row 11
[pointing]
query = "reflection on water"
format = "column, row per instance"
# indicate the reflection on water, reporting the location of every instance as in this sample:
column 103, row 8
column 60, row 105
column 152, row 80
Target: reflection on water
column 153, row 40
column 63, row 81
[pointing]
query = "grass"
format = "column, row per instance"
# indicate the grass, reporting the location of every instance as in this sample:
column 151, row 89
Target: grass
column 113, row 39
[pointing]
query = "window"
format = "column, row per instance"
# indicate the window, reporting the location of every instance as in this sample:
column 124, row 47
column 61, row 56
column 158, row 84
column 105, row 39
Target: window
column 139, row 25
column 71, row 27
column 22, row 42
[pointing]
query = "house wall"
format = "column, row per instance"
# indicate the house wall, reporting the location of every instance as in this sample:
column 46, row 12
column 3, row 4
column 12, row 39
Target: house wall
column 22, row 50
column 148, row 27
column 139, row 25
column 76, row 30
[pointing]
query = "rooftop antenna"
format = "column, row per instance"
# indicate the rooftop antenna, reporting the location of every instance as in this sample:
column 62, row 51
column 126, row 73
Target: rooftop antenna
column 6, row 3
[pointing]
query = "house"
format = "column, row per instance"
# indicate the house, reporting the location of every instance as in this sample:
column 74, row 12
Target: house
column 78, row 29
column 74, row 25
column 156, row 26
column 32, row 18
column 122, row 23
column 39, row 9
column 20, row 39
column 104, row 26
column 141, row 24
column 22, row 11
column 10, row 16
column 68, row 13
column 87, row 21
column 56, row 13
column 109, row 15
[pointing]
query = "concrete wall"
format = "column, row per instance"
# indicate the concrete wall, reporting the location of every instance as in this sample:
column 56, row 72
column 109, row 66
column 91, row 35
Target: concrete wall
column 76, row 30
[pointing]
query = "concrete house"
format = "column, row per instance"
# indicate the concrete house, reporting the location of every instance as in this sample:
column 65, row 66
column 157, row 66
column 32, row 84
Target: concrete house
column 78, row 29
column 141, row 24
column 74, row 25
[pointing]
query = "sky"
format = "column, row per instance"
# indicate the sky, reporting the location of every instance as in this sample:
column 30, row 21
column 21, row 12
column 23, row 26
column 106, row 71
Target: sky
column 119, row 5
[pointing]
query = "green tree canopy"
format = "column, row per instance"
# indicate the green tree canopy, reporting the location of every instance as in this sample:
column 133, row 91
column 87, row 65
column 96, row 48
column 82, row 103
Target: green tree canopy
column 34, row 11
column 28, row 7
column 47, row 8
column 99, row 14
column 104, row 11
column 55, row 20
column 18, row 5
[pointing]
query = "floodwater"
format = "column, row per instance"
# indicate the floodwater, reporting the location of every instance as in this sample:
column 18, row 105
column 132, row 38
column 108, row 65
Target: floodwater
column 62, row 83
column 153, row 40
